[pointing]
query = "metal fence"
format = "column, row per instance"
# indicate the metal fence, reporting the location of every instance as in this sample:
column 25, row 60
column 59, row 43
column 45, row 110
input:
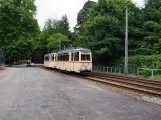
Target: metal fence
column 139, row 72
column 114, row 70
column 148, row 72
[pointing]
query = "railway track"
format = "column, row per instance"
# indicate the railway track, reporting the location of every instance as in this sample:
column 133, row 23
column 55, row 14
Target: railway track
column 138, row 85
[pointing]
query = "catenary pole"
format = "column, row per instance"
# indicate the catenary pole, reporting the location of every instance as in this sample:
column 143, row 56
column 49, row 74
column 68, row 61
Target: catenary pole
column 126, row 43
column 59, row 44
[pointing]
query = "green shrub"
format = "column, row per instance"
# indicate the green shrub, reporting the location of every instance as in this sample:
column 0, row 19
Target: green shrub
column 141, row 61
column 22, row 61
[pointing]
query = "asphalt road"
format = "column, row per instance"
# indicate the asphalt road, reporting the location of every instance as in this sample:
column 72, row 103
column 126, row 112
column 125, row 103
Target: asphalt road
column 34, row 94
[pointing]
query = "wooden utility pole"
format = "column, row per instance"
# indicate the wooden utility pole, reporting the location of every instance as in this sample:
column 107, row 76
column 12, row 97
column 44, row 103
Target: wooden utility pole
column 126, row 43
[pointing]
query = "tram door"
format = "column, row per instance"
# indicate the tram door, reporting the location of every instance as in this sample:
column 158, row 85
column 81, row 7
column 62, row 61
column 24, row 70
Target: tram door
column 72, row 62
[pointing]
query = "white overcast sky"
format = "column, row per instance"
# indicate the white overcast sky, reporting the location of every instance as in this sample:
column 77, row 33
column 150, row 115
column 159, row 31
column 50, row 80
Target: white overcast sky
column 55, row 9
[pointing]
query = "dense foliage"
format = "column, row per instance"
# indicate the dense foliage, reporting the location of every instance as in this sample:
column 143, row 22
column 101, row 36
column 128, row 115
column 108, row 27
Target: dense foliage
column 83, row 15
column 18, row 28
column 141, row 61
column 54, row 36
column 104, row 31
column 100, row 27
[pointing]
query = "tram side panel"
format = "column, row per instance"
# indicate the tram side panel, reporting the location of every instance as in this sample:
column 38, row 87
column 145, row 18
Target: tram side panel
column 66, row 62
column 46, row 61
column 71, row 61
column 75, row 62
column 52, row 63
column 81, row 62
column 63, row 61
column 58, row 62
column 49, row 60
column 65, row 65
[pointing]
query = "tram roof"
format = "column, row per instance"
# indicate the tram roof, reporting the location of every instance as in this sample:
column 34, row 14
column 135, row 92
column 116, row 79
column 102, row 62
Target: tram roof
column 50, row 54
column 73, row 49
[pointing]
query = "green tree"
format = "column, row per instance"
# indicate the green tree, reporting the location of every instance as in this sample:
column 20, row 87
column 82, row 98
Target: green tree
column 18, row 28
column 104, row 29
column 56, row 41
column 52, row 27
column 151, row 28
column 63, row 26
column 83, row 15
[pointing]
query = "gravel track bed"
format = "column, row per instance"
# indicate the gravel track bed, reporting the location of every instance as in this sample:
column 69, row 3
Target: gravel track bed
column 138, row 79
column 129, row 82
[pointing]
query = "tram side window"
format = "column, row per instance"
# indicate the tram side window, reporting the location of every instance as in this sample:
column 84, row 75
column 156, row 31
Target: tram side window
column 66, row 57
column 85, row 57
column 46, row 57
column 72, row 57
column 53, row 57
column 76, row 56
column 63, row 57
column 58, row 57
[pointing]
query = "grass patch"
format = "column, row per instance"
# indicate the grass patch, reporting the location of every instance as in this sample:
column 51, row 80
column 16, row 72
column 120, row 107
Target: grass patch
column 157, row 77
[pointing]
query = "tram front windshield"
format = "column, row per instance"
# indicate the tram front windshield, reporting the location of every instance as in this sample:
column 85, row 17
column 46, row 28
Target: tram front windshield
column 85, row 57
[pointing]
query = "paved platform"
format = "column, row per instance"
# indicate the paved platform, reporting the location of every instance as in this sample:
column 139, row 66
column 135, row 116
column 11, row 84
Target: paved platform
column 34, row 94
column 3, row 72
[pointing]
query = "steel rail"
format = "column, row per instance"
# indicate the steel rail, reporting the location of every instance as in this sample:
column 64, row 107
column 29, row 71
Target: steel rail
column 125, row 78
column 133, row 83
column 136, row 89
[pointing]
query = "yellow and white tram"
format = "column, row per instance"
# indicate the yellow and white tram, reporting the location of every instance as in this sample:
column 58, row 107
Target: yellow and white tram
column 73, row 60
column 50, row 60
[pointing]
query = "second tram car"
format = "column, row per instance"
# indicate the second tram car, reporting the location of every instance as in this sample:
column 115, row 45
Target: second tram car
column 72, row 60
column 50, row 60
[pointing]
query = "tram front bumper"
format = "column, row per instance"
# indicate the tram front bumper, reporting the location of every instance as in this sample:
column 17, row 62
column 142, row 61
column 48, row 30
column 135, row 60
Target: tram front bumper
column 85, row 70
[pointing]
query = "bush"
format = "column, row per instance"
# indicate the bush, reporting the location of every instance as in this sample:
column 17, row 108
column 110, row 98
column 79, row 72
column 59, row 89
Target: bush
column 141, row 61
column 22, row 61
